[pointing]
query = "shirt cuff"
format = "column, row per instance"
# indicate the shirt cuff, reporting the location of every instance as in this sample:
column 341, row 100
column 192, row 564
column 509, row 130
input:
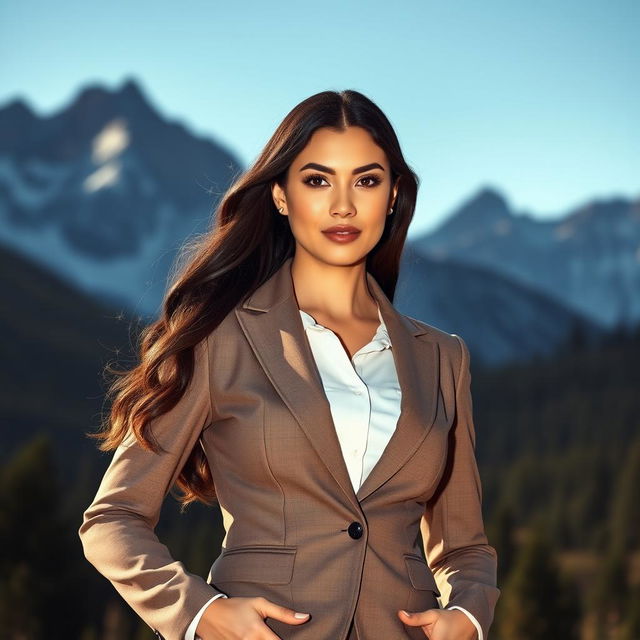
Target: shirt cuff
column 471, row 617
column 191, row 629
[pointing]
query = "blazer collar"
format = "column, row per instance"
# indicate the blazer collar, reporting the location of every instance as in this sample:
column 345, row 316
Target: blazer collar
column 271, row 321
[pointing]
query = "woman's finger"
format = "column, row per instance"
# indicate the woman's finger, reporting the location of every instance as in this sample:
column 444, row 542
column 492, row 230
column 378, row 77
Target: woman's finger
column 268, row 609
column 425, row 619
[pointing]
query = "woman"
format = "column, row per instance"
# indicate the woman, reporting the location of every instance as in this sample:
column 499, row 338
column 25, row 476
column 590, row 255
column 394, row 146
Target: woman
column 331, row 429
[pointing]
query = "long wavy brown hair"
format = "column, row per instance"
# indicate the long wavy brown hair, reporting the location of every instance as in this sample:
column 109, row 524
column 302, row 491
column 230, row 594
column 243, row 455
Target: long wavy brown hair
column 246, row 243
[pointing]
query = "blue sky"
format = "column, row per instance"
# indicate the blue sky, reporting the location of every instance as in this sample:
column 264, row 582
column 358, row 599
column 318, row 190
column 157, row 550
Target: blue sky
column 540, row 100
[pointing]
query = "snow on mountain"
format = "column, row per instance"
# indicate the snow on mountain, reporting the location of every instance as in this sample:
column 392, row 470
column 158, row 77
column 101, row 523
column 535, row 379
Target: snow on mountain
column 105, row 191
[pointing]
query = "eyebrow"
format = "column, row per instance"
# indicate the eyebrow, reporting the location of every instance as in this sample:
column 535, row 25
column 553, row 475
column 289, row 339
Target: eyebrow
column 321, row 167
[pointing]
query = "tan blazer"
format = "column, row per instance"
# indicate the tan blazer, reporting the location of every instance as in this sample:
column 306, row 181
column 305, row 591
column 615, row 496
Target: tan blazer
column 296, row 532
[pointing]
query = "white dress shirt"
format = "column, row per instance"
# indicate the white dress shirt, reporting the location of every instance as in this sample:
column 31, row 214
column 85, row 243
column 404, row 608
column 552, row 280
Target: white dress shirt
column 364, row 396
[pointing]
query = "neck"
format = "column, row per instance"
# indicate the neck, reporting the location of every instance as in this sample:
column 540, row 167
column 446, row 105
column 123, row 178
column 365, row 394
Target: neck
column 338, row 292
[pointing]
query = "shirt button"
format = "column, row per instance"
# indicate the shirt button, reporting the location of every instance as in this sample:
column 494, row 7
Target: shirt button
column 358, row 392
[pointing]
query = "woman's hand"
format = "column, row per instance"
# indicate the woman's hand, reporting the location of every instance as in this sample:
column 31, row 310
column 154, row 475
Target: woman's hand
column 237, row 618
column 441, row 624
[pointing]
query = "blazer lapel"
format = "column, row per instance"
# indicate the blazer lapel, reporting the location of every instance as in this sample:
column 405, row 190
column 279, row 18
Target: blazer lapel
column 417, row 365
column 277, row 336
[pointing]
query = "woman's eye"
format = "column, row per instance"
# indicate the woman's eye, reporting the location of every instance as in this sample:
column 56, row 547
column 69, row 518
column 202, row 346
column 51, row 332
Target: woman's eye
column 374, row 180
column 310, row 180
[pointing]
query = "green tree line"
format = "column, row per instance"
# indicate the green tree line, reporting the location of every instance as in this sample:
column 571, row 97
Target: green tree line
column 558, row 446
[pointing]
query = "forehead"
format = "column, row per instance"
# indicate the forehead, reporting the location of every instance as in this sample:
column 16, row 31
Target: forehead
column 341, row 149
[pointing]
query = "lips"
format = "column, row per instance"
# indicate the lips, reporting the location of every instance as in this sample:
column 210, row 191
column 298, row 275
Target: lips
column 341, row 233
column 341, row 230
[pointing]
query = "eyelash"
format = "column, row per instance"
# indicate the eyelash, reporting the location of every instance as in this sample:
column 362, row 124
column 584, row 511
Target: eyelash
column 374, row 178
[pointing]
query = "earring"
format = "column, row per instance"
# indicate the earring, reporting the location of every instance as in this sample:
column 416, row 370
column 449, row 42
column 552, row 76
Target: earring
column 390, row 212
column 280, row 209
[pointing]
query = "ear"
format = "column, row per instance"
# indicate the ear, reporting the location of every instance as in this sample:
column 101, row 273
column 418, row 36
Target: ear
column 279, row 199
column 394, row 193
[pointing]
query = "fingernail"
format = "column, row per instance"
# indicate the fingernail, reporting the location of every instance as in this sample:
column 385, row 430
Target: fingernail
column 300, row 615
column 406, row 613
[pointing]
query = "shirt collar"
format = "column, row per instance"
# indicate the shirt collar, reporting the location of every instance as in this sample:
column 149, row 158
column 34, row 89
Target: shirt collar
column 381, row 339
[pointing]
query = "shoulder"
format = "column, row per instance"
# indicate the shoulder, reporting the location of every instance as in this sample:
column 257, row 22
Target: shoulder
column 451, row 345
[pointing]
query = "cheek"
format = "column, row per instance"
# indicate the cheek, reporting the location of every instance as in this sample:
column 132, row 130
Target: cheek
column 307, row 213
column 305, row 204
column 303, row 222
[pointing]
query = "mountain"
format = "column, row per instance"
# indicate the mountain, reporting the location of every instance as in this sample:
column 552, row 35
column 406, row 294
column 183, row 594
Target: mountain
column 588, row 259
column 104, row 191
column 501, row 319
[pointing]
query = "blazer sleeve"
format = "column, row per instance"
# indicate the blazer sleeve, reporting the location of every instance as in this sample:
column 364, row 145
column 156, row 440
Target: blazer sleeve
column 456, row 547
column 117, row 531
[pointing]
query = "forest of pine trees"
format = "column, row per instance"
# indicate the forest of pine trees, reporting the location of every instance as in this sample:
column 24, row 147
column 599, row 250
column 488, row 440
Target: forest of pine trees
column 558, row 446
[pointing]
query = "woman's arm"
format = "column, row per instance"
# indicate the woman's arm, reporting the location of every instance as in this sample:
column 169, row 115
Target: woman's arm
column 117, row 531
column 456, row 547
column 191, row 633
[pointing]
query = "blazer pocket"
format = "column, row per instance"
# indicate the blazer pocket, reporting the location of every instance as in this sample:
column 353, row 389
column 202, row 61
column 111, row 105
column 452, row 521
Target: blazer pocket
column 268, row 564
column 420, row 574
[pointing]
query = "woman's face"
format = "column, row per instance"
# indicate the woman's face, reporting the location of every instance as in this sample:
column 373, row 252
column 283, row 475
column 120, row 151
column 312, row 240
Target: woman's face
column 340, row 178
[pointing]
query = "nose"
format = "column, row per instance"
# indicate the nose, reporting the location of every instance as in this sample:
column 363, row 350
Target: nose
column 343, row 207
column 343, row 213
